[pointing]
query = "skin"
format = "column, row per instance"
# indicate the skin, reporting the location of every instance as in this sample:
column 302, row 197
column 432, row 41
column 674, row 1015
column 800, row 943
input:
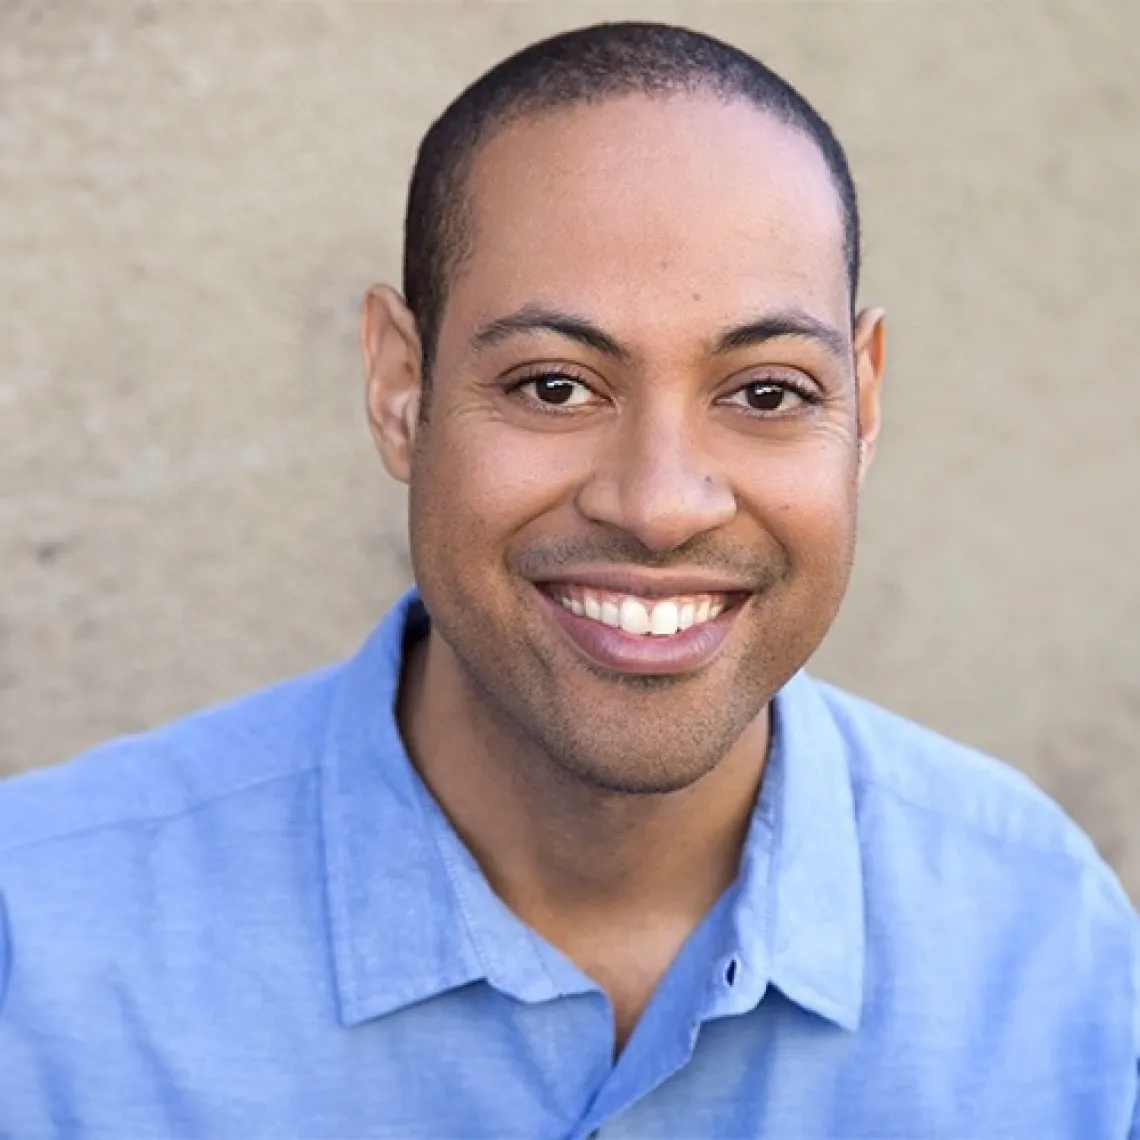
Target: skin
column 608, row 808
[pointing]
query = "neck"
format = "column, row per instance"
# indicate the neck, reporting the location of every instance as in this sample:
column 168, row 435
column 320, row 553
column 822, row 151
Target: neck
column 564, row 855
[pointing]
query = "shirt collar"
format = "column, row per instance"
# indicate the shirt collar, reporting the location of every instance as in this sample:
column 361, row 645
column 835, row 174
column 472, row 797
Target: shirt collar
column 398, row 934
column 399, row 928
column 798, row 922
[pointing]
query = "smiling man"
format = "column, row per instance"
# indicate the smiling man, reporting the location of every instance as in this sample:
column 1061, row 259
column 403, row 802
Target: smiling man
column 573, row 846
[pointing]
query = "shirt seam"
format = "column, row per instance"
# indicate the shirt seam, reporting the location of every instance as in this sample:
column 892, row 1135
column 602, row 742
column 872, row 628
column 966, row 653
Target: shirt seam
column 157, row 818
column 1084, row 862
column 1134, row 978
column 5, row 953
column 460, row 893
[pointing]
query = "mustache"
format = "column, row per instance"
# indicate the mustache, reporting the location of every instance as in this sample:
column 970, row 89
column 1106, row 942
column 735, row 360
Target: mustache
column 754, row 569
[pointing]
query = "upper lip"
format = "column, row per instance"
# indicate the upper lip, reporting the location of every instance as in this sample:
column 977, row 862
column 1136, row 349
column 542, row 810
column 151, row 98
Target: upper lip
column 643, row 583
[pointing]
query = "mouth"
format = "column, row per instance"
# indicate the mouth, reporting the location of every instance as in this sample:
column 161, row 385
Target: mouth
column 643, row 634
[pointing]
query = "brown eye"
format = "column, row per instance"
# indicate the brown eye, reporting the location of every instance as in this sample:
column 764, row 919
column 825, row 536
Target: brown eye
column 766, row 396
column 557, row 391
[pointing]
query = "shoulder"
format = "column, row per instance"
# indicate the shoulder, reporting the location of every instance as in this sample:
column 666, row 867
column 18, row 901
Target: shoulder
column 966, row 847
column 961, row 842
column 974, row 829
column 103, row 856
column 271, row 735
column 953, row 786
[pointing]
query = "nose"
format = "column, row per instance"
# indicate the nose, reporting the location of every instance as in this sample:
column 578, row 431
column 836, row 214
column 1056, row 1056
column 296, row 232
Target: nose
column 655, row 481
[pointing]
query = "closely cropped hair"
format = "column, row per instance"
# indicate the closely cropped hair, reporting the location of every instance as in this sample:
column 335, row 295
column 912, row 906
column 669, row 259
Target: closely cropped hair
column 588, row 65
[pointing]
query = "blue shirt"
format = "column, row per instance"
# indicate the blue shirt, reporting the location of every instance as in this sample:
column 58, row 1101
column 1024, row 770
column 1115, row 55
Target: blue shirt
column 257, row 924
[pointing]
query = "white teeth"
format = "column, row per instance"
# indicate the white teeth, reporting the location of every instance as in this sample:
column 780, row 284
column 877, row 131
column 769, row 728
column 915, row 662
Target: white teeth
column 634, row 617
column 663, row 622
column 664, row 618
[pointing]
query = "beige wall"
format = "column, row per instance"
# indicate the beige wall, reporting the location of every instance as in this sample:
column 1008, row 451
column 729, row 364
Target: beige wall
column 194, row 195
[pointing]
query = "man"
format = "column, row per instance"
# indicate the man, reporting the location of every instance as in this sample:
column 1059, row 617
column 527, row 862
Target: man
column 573, row 846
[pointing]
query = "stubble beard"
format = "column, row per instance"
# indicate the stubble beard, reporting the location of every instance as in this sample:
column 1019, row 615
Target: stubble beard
column 600, row 747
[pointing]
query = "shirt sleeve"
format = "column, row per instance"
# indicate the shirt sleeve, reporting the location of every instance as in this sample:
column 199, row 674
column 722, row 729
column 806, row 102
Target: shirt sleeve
column 5, row 955
column 1134, row 1131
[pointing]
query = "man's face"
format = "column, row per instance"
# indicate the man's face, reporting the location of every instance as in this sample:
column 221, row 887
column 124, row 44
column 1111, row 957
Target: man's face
column 633, row 500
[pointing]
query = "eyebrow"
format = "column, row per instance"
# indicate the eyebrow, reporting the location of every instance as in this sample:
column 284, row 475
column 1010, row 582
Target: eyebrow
column 537, row 318
column 791, row 323
column 774, row 326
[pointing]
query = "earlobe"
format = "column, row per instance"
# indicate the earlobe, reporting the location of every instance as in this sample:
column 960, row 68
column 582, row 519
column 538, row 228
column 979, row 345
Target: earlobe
column 393, row 359
column 870, row 365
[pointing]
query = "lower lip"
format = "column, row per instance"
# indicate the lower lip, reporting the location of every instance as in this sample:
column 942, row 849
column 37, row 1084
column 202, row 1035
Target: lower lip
column 642, row 654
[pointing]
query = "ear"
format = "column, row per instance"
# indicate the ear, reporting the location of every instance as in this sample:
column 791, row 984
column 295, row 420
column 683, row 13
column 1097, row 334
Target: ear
column 870, row 365
column 393, row 359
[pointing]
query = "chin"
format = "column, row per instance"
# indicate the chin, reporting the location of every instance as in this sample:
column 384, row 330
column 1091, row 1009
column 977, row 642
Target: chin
column 615, row 770
column 628, row 782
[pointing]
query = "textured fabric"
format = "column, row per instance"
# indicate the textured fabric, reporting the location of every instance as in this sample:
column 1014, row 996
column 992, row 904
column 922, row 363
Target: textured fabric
column 257, row 923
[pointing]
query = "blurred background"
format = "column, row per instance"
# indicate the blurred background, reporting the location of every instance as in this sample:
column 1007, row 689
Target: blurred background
column 194, row 196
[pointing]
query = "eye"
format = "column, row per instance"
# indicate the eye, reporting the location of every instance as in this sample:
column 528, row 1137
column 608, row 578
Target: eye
column 770, row 397
column 555, row 390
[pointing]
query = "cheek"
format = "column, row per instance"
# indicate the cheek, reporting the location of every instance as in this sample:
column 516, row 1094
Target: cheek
column 479, row 484
column 805, row 498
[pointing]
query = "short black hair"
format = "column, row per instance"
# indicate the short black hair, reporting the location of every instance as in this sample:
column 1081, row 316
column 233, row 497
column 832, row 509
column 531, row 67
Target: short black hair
column 588, row 65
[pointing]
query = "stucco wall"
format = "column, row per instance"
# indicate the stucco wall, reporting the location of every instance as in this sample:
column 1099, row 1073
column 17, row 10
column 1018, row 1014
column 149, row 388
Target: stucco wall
column 194, row 195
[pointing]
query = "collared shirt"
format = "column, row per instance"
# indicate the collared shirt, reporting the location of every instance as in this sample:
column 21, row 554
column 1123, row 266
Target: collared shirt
column 257, row 923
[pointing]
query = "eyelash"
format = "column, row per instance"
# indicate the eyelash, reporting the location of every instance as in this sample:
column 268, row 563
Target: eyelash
column 518, row 383
column 806, row 392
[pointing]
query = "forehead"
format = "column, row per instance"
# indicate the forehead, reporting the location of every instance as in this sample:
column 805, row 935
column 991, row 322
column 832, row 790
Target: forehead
column 652, row 211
